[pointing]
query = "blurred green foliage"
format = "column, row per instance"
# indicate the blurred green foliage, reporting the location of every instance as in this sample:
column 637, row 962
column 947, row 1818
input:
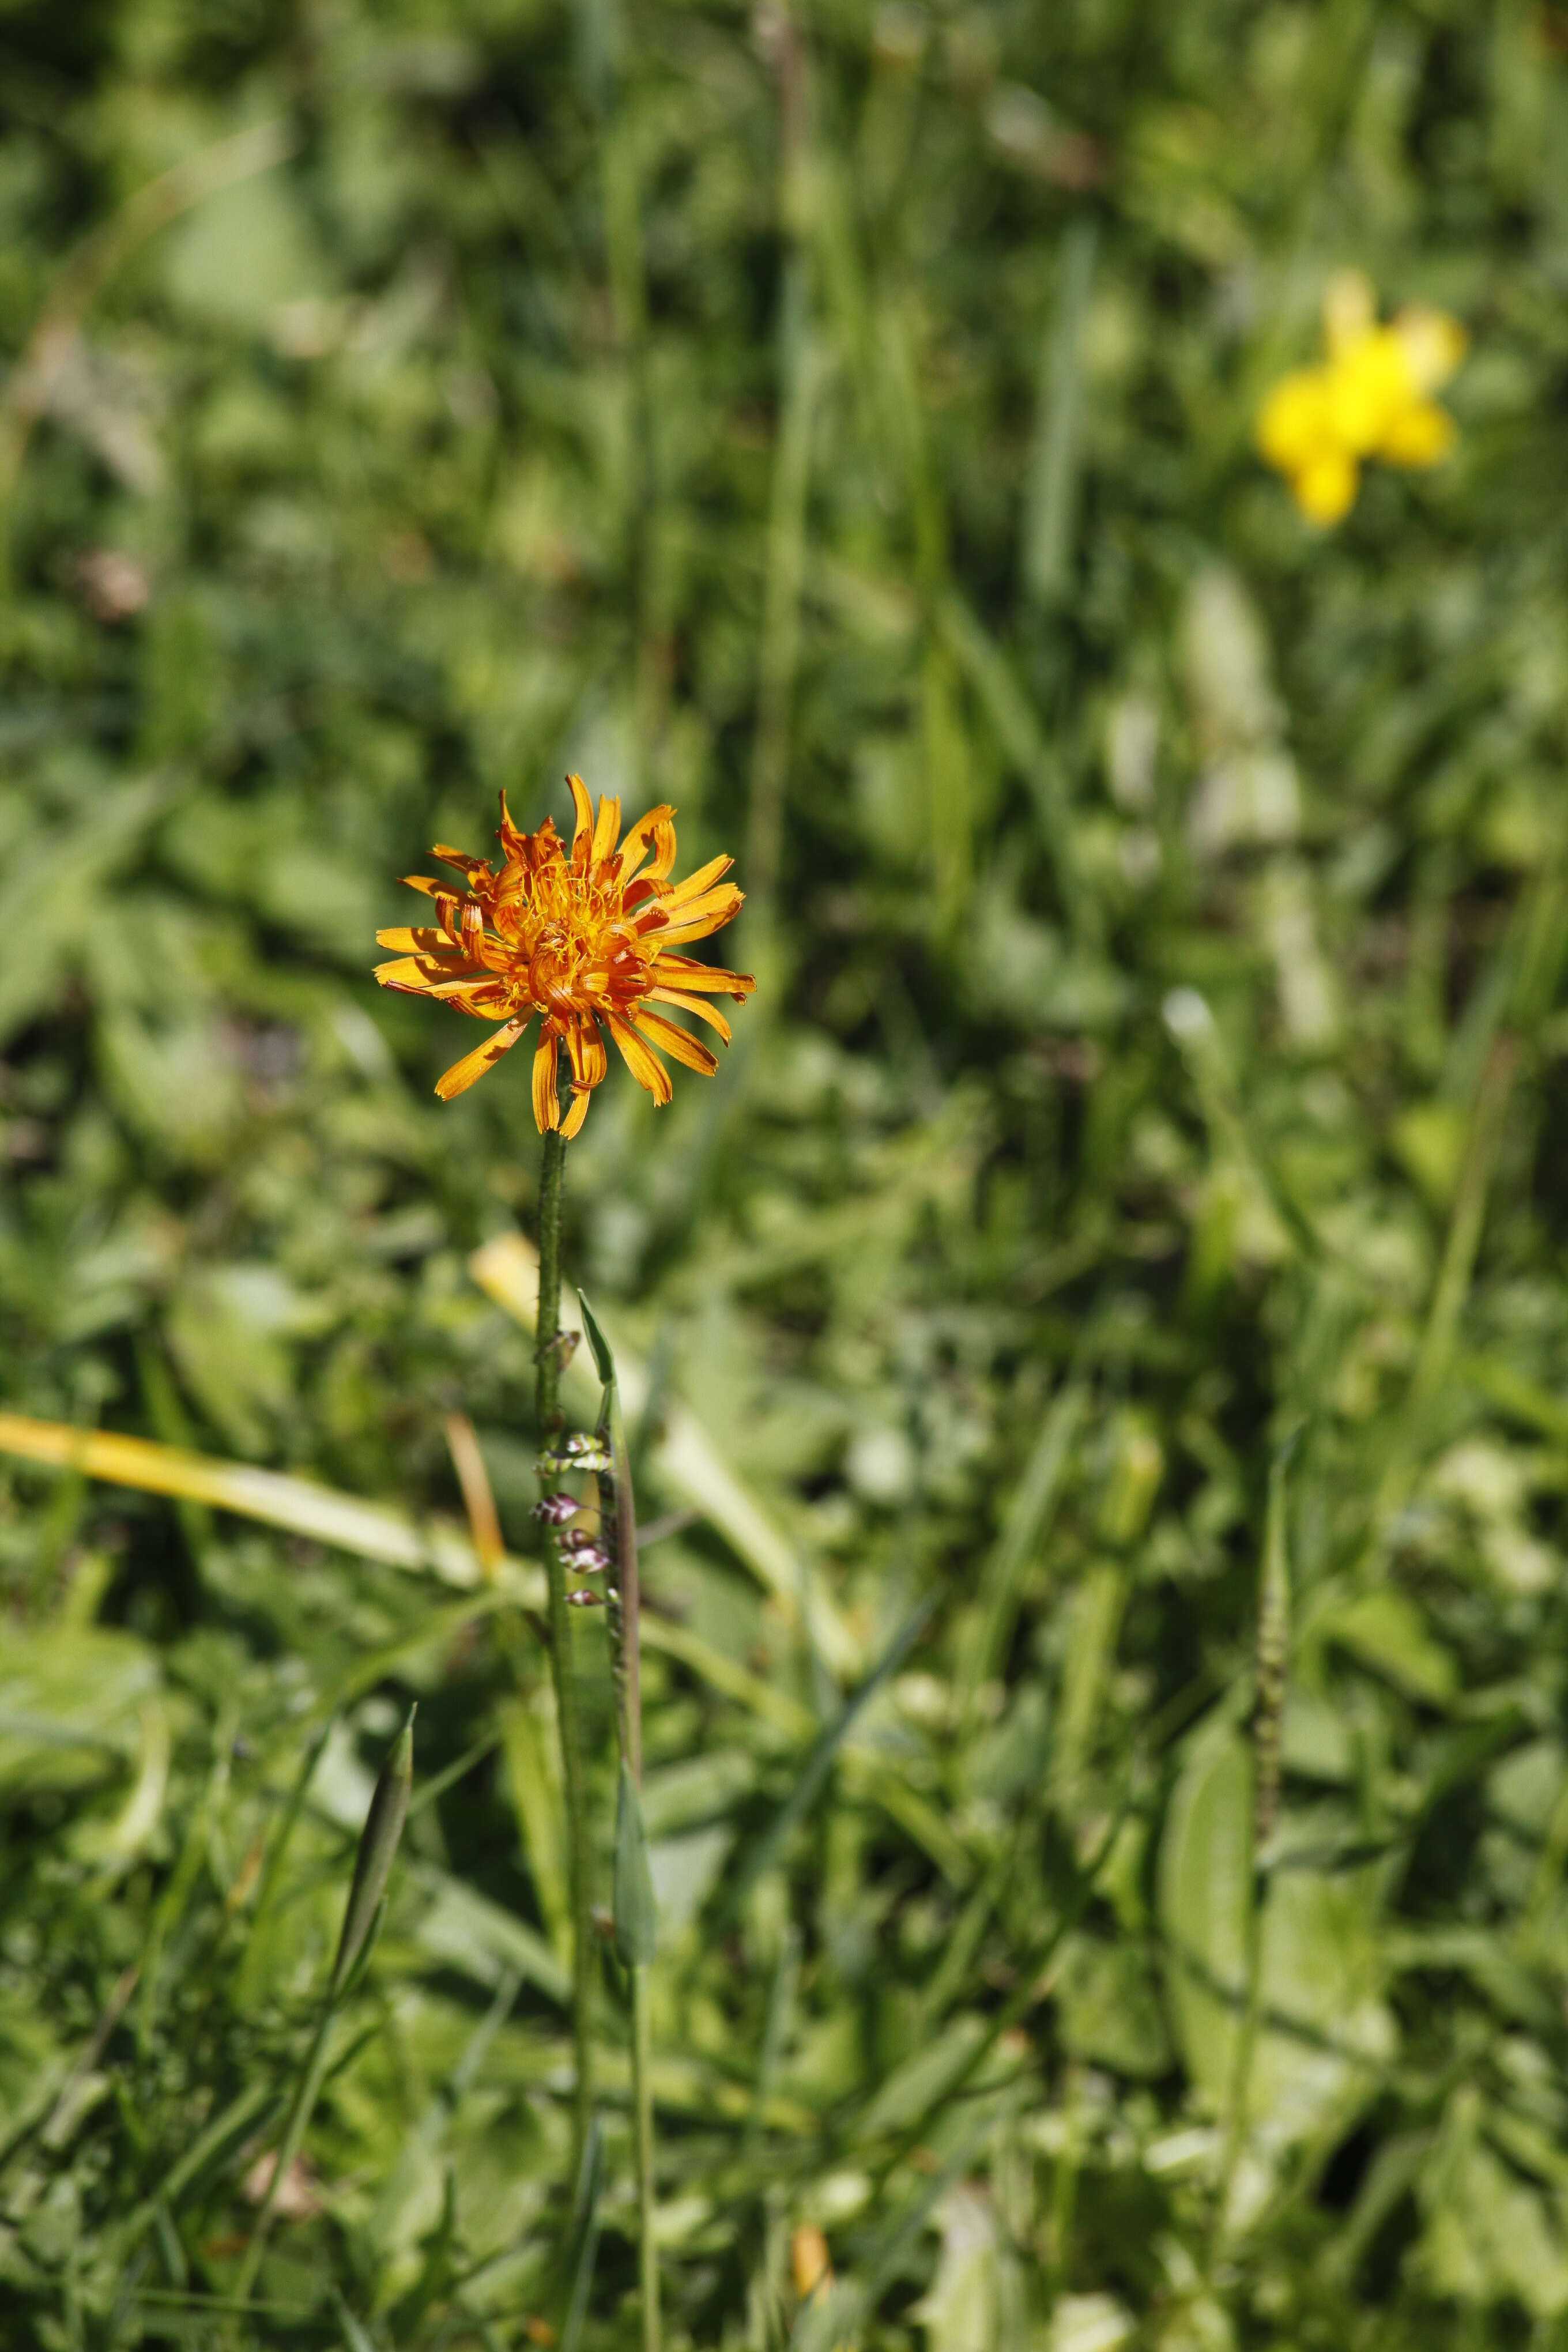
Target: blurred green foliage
column 835, row 421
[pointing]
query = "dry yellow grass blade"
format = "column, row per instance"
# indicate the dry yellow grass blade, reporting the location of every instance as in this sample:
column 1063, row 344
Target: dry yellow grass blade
column 377, row 1531
column 371, row 1529
column 507, row 1270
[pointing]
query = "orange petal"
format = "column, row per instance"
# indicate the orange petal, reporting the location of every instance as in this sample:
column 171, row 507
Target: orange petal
column 608, row 830
column 429, row 975
column 425, row 975
column 542, row 848
column 422, row 940
column 431, row 888
column 546, row 1101
column 582, row 831
column 476, row 869
column 586, row 1049
column 461, row 1074
column 677, row 1042
column 704, row 915
column 640, row 1060
column 684, row 1004
column 576, row 1113
column 512, row 839
column 710, row 976
column 695, row 884
column 653, row 830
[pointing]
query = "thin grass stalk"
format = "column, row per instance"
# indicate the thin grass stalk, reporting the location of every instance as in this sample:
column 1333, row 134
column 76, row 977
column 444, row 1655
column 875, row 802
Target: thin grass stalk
column 547, row 1413
column 378, row 1844
column 1272, row 1660
column 783, row 44
column 307, row 2086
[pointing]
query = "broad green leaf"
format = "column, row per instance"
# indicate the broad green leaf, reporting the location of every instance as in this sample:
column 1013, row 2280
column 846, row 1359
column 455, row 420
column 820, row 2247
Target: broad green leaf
column 71, row 1705
column 1205, row 1907
column 1388, row 1633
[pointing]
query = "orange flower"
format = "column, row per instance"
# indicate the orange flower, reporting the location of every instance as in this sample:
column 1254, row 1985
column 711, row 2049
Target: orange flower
column 583, row 937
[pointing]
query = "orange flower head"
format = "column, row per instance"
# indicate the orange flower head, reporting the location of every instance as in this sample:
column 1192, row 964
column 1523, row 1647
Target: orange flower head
column 583, row 937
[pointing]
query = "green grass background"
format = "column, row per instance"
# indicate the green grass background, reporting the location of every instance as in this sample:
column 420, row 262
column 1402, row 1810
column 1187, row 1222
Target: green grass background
column 834, row 420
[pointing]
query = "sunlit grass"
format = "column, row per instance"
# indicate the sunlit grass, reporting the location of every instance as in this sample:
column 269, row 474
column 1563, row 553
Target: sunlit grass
column 1091, row 1360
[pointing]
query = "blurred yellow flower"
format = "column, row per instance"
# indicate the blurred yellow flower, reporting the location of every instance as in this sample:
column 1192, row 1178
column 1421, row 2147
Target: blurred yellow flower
column 1371, row 396
column 813, row 2268
column 583, row 937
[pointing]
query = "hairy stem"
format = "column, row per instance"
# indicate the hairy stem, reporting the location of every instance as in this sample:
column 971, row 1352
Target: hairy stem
column 618, row 1522
column 642, row 2094
column 547, row 1384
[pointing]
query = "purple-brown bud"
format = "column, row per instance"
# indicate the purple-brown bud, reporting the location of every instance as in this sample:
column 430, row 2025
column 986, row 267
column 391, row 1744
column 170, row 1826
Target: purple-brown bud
column 586, row 1553
column 556, row 1510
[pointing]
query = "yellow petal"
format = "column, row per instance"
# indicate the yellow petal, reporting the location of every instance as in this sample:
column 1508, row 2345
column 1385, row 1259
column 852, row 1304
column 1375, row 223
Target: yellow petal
column 676, row 1042
column 640, row 1060
column 1367, row 389
column 1292, row 424
column 685, row 1003
column 546, row 1101
column 461, row 1074
column 1350, row 310
column 1421, row 435
column 577, row 1111
column 809, row 2259
column 1325, row 490
column 1434, row 344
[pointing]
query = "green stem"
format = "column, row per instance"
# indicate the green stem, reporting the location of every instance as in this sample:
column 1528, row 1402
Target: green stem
column 305, row 2090
column 546, row 1395
column 642, row 2094
column 617, row 1506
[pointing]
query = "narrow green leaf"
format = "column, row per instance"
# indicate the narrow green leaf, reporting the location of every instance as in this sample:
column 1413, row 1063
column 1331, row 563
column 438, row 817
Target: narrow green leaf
column 637, row 1917
column 377, row 1846
column 1051, row 504
column 818, row 1763
column 585, row 2227
column 604, row 1362
column 1028, row 1519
